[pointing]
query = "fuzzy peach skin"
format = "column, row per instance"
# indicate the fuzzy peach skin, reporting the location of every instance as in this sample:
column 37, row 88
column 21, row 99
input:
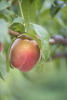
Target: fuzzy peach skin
column 24, row 54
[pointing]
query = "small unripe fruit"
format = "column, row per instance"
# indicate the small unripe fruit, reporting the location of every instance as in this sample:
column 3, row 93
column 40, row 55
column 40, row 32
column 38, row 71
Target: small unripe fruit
column 24, row 54
column 1, row 46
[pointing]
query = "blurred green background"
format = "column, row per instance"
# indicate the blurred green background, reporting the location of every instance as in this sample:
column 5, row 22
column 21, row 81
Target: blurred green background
column 50, row 84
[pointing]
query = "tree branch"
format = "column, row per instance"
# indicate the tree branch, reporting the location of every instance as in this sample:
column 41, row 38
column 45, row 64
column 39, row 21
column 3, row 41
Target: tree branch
column 58, row 39
column 54, row 40
column 17, row 34
column 59, row 55
column 13, row 33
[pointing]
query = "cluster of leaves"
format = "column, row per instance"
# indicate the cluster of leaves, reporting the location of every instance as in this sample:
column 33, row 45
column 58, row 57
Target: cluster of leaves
column 42, row 18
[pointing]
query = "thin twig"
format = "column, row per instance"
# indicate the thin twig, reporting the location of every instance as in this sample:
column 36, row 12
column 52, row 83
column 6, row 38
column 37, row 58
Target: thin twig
column 58, row 39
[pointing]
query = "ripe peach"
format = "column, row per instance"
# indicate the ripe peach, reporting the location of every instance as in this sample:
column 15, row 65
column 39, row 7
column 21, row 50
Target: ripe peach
column 1, row 46
column 24, row 54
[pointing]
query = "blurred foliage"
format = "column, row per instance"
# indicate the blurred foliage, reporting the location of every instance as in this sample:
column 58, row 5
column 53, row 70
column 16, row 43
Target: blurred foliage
column 43, row 18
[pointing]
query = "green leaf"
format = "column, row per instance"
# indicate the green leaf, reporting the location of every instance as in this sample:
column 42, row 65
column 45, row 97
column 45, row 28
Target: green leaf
column 44, row 36
column 42, row 32
column 29, row 8
column 18, row 24
column 6, row 41
column 18, row 20
column 4, row 36
column 9, row 14
column 3, row 66
column 4, row 4
column 56, row 6
column 46, row 5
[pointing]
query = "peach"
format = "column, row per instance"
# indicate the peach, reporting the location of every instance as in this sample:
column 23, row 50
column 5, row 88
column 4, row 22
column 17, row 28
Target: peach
column 24, row 54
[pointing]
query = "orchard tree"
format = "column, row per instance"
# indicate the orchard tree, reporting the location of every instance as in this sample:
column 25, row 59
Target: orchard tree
column 32, row 33
column 33, row 49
